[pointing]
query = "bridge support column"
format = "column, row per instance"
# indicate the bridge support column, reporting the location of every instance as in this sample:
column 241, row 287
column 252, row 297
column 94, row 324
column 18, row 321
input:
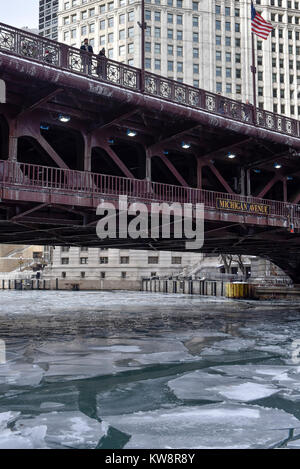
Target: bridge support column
column 248, row 182
column 243, row 186
column 13, row 141
column 199, row 173
column 284, row 189
column 148, row 165
column 87, row 152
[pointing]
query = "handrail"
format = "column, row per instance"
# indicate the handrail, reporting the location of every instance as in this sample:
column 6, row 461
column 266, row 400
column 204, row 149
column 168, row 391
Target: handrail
column 25, row 175
column 61, row 56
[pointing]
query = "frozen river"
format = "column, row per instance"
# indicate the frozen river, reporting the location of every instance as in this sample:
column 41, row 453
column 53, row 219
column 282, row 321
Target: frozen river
column 141, row 370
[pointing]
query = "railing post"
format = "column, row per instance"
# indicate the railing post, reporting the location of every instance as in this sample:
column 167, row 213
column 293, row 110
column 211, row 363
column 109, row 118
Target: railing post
column 64, row 52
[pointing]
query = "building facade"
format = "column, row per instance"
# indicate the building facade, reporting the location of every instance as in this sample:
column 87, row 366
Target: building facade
column 205, row 43
column 48, row 21
column 116, row 265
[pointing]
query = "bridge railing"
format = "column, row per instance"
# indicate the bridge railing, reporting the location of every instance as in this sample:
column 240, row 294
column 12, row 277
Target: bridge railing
column 82, row 183
column 39, row 49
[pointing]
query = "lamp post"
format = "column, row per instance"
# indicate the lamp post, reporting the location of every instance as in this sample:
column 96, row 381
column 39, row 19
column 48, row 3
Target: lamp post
column 143, row 25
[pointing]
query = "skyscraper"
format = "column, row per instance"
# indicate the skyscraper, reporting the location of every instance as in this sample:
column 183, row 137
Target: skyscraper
column 48, row 18
column 203, row 43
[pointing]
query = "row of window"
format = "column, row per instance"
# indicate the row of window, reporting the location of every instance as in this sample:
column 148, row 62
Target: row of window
column 227, row 11
column 237, row 26
column 123, row 260
column 121, row 3
column 228, row 88
column 102, row 274
column 228, row 56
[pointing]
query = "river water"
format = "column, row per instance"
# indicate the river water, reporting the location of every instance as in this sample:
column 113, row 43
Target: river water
column 145, row 370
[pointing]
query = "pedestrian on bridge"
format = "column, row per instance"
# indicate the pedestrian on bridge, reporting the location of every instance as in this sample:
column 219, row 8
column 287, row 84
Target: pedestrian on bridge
column 87, row 56
column 102, row 63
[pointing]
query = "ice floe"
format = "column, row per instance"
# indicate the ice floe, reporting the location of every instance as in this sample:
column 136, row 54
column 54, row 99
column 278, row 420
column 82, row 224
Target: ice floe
column 65, row 429
column 208, row 426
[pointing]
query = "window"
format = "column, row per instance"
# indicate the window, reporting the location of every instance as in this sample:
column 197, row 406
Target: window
column 102, row 274
column 131, row 31
column 63, row 274
column 227, row 26
column 195, row 6
column 110, row 23
column 195, row 53
column 157, row 49
column 195, row 37
column 228, row 88
column 170, row 33
column 228, row 41
column 180, row 67
column 218, row 40
column 122, row 34
column 228, row 56
column 195, row 21
column 153, row 260
column 103, row 260
column 157, row 32
column 82, row 274
column 65, row 249
column 179, row 36
column 83, row 260
column 148, row 46
column 195, row 68
column 179, row 51
column 131, row 16
column 157, row 64
column 170, row 66
column 124, row 260
column 147, row 63
column 122, row 19
column 179, row 19
column 218, row 71
column 157, row 16
column 218, row 25
column 102, row 24
column 228, row 72
column 170, row 18
column 84, row 249
column 218, row 55
column 123, row 274
column 65, row 260
column 176, row 260
column 110, row 37
column 121, row 50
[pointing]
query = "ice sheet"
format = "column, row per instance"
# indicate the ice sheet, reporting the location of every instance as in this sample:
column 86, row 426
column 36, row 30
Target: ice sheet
column 65, row 429
column 208, row 426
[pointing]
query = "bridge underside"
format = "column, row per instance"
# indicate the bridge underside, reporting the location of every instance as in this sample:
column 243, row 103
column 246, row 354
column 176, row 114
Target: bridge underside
column 44, row 224
column 96, row 139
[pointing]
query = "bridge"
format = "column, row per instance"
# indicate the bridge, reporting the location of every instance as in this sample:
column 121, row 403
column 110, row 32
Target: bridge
column 76, row 130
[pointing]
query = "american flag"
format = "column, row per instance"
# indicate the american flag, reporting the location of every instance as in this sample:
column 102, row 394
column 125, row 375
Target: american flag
column 260, row 27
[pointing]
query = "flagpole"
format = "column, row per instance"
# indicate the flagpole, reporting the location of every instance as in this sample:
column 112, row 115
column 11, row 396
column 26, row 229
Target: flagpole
column 253, row 70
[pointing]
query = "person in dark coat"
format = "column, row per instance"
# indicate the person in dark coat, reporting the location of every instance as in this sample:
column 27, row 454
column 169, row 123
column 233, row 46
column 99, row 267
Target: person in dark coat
column 86, row 57
column 101, row 67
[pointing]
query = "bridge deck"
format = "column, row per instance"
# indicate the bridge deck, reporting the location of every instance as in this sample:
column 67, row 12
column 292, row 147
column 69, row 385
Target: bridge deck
column 39, row 184
column 36, row 49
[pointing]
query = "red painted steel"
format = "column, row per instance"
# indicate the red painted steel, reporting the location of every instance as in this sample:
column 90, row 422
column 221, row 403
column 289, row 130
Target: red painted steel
column 23, row 176
column 37, row 49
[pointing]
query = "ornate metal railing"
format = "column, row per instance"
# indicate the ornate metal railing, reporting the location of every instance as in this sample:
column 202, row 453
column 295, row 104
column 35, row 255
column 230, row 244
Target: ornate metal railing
column 26, row 176
column 55, row 54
